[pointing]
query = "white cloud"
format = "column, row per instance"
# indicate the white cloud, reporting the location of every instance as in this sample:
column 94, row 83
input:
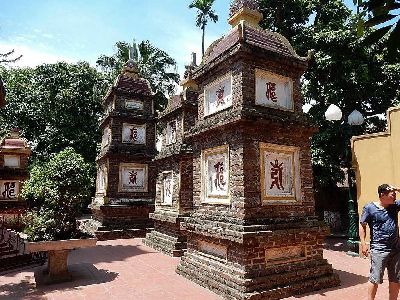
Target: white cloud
column 47, row 35
column 31, row 57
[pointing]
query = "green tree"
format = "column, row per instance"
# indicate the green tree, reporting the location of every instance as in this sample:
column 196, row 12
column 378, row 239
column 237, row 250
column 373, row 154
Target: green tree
column 55, row 106
column 343, row 71
column 204, row 14
column 154, row 64
column 288, row 17
column 53, row 193
column 381, row 12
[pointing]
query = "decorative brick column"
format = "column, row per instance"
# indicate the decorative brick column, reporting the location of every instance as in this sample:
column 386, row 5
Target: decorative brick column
column 125, row 185
column 174, row 198
column 253, row 233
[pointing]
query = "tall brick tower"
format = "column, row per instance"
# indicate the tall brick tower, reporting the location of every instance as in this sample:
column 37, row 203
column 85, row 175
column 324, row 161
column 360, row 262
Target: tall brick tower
column 125, row 185
column 253, row 233
column 174, row 198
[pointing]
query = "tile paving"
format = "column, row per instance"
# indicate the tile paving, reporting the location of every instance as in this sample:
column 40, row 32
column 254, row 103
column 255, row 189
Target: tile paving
column 126, row 269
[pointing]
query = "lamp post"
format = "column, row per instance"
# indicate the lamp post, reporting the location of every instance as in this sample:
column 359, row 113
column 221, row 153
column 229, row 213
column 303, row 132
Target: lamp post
column 333, row 113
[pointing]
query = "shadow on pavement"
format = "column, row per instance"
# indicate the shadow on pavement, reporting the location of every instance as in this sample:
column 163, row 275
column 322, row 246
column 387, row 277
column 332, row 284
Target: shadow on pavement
column 347, row 280
column 335, row 244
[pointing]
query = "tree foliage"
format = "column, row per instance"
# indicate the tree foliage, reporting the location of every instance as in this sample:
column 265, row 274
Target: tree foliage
column 382, row 13
column 205, row 13
column 55, row 106
column 344, row 71
column 53, row 192
column 154, row 64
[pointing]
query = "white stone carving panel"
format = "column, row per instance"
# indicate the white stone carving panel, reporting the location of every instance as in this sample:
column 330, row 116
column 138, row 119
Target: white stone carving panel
column 168, row 187
column 280, row 176
column 133, row 177
column 215, row 175
column 218, row 95
column 101, row 179
column 11, row 161
column 273, row 90
column 171, row 132
column 133, row 104
column 9, row 189
column 106, row 137
column 132, row 133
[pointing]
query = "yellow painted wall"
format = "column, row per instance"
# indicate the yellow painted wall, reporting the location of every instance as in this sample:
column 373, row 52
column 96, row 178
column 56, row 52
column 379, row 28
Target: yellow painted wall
column 376, row 159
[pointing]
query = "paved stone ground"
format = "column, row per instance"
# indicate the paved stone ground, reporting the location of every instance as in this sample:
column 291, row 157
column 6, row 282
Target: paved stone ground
column 126, row 269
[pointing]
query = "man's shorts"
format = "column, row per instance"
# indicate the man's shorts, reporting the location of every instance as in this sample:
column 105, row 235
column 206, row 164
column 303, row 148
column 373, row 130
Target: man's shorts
column 380, row 260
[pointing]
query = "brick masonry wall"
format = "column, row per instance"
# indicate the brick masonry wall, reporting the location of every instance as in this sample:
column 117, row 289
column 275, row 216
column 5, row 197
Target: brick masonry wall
column 245, row 173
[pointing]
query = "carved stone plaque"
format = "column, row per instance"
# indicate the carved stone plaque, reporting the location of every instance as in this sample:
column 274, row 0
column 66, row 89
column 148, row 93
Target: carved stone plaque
column 215, row 175
column 171, row 132
column 133, row 177
column 133, row 104
column 274, row 90
column 132, row 133
column 11, row 161
column 280, row 176
column 218, row 95
column 106, row 137
column 9, row 189
column 168, row 186
column 101, row 179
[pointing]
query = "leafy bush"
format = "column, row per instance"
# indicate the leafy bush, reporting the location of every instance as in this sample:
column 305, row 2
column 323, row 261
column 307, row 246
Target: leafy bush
column 53, row 194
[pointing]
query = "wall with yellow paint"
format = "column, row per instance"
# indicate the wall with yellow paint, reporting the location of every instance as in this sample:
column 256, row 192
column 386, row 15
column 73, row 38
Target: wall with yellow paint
column 376, row 159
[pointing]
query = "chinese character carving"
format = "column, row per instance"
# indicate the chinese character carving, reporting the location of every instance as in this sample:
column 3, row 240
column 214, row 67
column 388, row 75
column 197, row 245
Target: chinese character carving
column 276, row 175
column 220, row 96
column 134, row 134
column 9, row 190
column 132, row 177
column 219, row 176
column 271, row 91
column 167, row 187
column 172, row 137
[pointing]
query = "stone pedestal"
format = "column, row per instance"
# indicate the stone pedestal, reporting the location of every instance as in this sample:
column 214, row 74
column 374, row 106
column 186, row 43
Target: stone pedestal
column 259, row 262
column 167, row 236
column 57, row 270
column 57, row 267
column 123, row 221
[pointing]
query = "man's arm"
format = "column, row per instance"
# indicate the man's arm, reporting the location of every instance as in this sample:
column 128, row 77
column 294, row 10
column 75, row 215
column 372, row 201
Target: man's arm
column 362, row 229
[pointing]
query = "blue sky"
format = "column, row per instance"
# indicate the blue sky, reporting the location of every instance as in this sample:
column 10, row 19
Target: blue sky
column 45, row 31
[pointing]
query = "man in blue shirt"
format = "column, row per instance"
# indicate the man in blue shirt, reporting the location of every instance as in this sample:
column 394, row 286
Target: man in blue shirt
column 382, row 219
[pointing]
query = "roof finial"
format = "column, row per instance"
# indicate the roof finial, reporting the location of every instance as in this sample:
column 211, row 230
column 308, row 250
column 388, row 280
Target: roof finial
column 238, row 4
column 130, row 68
column 130, row 53
column 245, row 12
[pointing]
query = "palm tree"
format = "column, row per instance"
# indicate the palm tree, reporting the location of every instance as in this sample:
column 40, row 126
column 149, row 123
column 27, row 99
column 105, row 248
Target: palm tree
column 204, row 14
column 154, row 64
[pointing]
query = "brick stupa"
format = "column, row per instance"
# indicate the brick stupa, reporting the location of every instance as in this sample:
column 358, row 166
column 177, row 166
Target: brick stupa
column 253, row 233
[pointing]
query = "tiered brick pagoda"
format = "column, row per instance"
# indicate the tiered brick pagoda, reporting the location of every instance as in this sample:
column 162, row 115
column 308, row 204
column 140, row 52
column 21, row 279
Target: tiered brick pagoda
column 253, row 233
column 14, row 154
column 125, row 185
column 174, row 198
